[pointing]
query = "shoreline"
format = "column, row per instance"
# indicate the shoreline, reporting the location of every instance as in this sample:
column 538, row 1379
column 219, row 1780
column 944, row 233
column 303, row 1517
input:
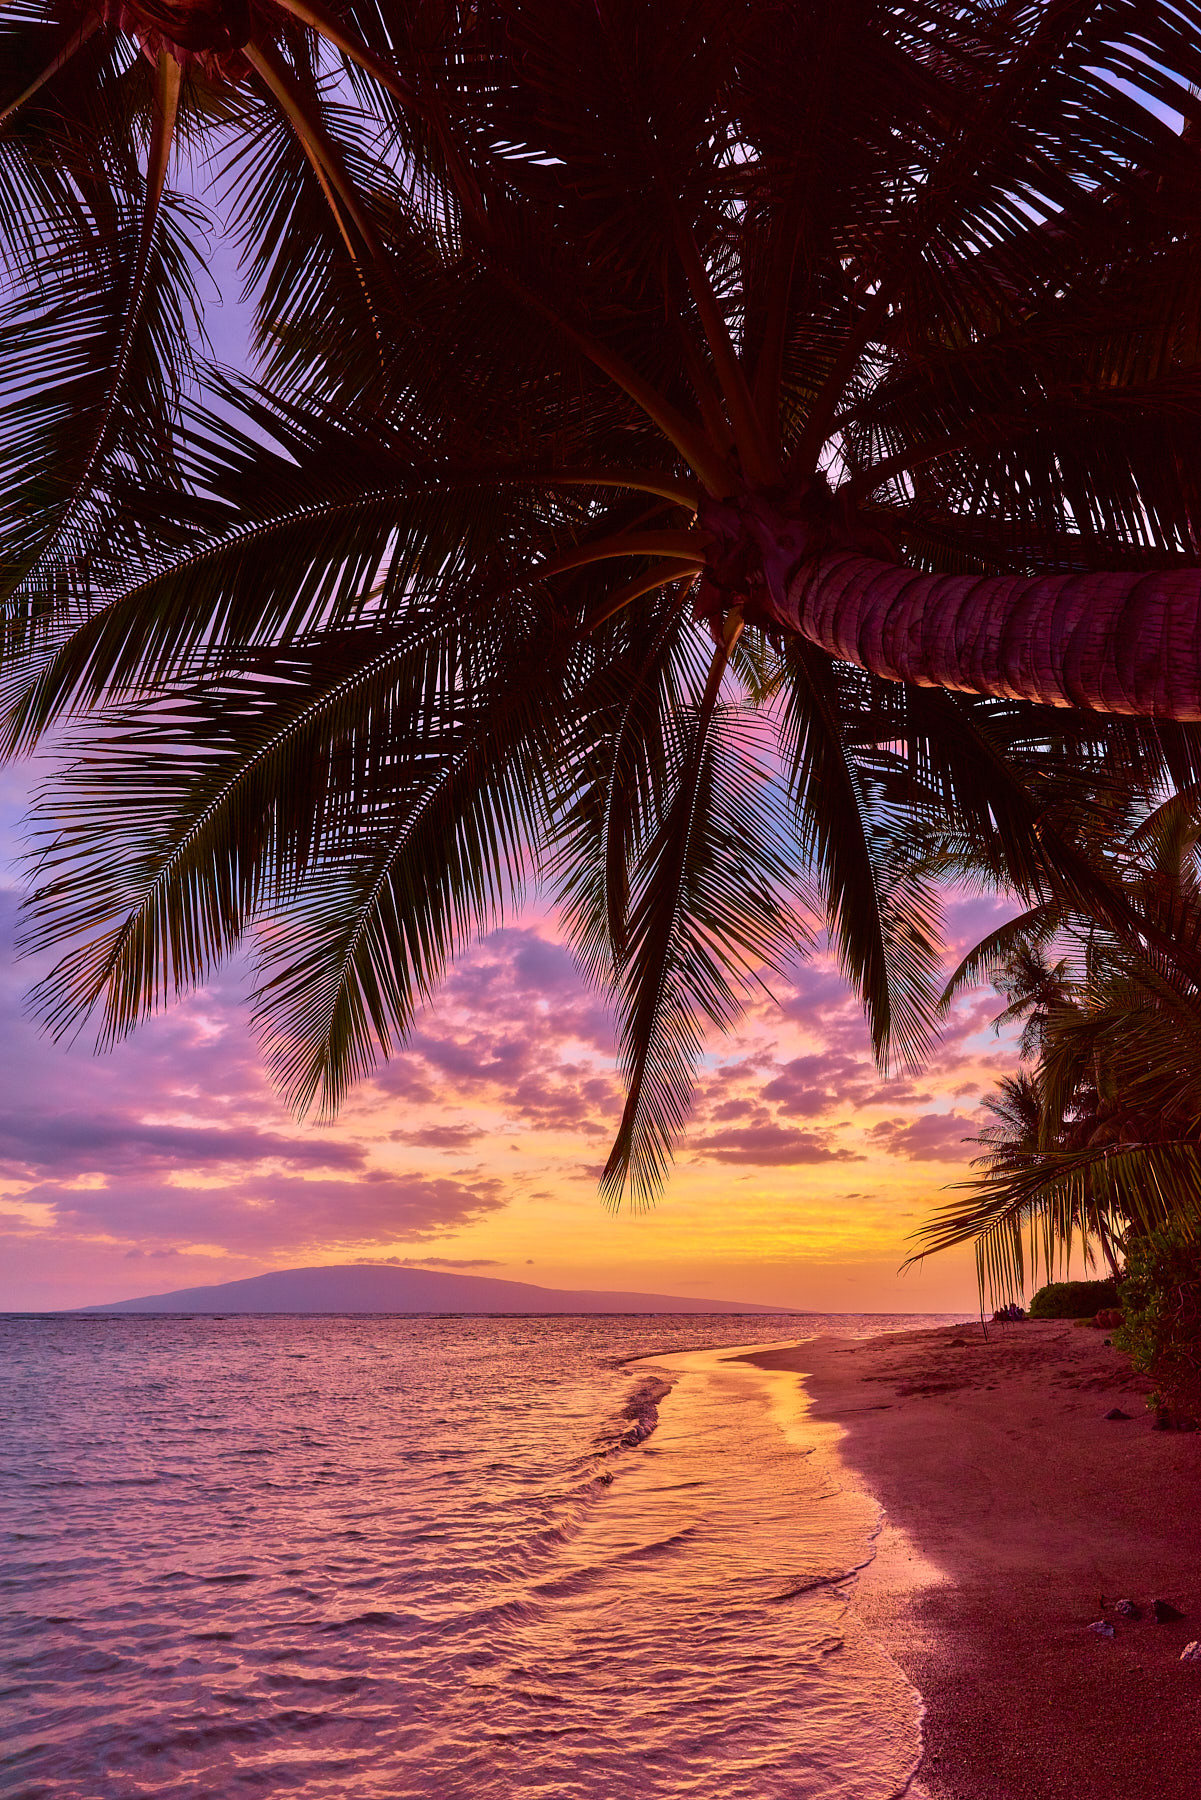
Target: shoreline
column 1011, row 1506
column 799, row 1540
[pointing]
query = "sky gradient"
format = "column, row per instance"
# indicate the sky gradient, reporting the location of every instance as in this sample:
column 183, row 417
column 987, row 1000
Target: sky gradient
column 170, row 1162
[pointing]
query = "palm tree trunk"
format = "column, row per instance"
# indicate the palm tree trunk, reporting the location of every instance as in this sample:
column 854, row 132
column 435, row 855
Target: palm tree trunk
column 1113, row 643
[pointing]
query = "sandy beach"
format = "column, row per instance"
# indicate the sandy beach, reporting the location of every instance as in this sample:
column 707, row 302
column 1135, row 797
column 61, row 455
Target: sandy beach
column 1013, row 1509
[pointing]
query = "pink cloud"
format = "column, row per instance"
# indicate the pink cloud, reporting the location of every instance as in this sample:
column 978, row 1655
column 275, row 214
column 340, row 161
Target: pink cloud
column 433, row 1262
column 967, row 918
column 771, row 1146
column 187, row 1097
column 438, row 1137
column 39, row 1142
column 514, row 1028
column 184, row 1141
column 934, row 1137
column 273, row 1215
column 810, row 1085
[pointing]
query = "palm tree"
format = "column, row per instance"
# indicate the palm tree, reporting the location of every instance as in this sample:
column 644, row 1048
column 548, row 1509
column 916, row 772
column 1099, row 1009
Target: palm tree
column 1098, row 1137
column 697, row 446
column 103, row 259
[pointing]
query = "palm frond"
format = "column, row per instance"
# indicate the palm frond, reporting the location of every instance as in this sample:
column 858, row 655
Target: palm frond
column 710, row 906
column 349, row 646
column 881, row 914
column 985, row 960
column 1024, row 1216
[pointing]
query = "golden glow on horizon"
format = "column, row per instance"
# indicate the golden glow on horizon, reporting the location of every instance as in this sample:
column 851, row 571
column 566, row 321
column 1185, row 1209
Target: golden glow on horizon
column 799, row 1183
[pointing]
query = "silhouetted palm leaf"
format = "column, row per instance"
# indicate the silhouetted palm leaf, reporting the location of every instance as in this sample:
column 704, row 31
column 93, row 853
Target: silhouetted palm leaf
column 592, row 336
column 1100, row 1135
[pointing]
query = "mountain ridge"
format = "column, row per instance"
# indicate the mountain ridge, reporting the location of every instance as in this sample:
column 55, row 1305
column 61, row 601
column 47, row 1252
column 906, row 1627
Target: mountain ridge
column 382, row 1288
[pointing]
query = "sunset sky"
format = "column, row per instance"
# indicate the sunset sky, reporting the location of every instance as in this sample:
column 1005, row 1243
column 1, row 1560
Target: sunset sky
column 170, row 1162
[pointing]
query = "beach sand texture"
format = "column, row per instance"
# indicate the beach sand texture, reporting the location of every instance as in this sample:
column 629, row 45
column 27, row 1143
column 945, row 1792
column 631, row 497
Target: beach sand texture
column 1012, row 1506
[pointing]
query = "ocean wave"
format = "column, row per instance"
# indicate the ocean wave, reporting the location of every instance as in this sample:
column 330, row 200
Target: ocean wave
column 461, row 1582
column 641, row 1413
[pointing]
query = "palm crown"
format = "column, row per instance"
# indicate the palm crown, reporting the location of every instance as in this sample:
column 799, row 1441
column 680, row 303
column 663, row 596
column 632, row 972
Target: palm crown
column 1097, row 1140
column 645, row 390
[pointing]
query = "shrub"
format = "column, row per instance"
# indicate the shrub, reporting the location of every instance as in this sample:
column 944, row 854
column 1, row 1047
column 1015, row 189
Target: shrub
column 1161, row 1296
column 1073, row 1299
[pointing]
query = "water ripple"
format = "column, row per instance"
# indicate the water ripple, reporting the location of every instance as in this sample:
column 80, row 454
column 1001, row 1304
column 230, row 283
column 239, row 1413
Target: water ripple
column 390, row 1559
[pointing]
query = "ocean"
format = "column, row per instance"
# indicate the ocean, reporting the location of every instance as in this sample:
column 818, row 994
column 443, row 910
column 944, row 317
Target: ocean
column 382, row 1557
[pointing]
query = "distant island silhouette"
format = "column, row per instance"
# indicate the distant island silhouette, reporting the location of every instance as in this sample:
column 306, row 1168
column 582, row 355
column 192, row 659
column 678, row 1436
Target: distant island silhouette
column 379, row 1288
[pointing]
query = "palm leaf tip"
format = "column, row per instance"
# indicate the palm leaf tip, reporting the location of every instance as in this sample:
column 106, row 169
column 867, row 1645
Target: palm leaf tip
column 599, row 277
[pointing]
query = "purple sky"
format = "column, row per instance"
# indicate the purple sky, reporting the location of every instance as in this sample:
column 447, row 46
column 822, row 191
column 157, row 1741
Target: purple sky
column 170, row 1160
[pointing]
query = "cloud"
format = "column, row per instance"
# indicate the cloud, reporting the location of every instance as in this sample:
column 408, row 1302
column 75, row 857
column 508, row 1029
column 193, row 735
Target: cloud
column 968, row 918
column 275, row 1214
column 934, row 1137
column 771, row 1146
column 514, row 1029
column 820, row 1002
column 176, row 1145
column 568, row 1100
column 810, row 1085
column 176, row 1139
column 438, row 1137
column 432, row 1262
column 37, row 1143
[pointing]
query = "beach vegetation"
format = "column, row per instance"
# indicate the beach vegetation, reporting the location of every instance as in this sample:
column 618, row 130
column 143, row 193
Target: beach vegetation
column 1073, row 1299
column 694, row 451
column 1161, row 1328
column 1096, row 1140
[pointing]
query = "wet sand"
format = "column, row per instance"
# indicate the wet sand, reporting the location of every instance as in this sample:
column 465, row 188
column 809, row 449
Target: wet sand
column 1013, row 1508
